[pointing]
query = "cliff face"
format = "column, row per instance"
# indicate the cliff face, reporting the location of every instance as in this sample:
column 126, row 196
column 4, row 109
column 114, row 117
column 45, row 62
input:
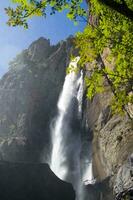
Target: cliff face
column 112, row 147
column 28, row 98
column 112, row 142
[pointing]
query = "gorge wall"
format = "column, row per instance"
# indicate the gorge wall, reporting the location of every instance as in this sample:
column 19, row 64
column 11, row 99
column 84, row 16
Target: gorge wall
column 28, row 96
column 112, row 147
column 29, row 92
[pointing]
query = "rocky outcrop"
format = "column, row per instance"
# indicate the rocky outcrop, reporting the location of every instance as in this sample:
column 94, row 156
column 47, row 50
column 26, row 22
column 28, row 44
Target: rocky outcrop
column 115, row 143
column 28, row 96
column 112, row 142
column 28, row 181
column 112, row 146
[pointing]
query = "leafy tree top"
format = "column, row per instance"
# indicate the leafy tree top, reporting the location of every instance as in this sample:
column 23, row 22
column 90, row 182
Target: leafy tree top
column 108, row 29
column 26, row 9
column 110, row 26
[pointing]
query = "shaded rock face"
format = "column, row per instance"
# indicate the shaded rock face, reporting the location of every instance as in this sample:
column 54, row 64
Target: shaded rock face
column 32, row 182
column 124, row 178
column 28, row 98
column 112, row 146
column 112, row 141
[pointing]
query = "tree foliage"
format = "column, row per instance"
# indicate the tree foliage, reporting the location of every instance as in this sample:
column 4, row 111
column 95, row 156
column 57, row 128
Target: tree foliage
column 120, row 6
column 114, row 31
column 26, row 9
column 107, row 29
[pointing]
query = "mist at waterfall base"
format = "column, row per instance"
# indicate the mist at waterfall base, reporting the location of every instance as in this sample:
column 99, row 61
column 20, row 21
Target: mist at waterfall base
column 66, row 134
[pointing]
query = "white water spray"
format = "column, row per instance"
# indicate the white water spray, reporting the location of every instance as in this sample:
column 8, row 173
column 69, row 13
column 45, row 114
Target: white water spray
column 88, row 177
column 66, row 144
column 58, row 158
column 80, row 93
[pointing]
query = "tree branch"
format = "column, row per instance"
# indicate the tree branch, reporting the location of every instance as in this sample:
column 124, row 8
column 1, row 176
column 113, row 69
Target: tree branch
column 121, row 8
column 111, row 84
column 39, row 6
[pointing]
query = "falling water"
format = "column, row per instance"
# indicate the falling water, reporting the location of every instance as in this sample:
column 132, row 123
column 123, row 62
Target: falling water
column 65, row 132
column 80, row 93
column 88, row 177
column 61, row 129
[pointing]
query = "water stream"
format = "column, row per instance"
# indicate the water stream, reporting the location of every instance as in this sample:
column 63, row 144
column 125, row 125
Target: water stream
column 65, row 133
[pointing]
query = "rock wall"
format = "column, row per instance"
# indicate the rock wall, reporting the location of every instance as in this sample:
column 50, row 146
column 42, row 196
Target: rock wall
column 112, row 142
column 28, row 96
column 112, row 147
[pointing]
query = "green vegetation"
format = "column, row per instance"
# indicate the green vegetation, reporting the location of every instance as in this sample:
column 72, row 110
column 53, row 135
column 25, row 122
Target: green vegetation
column 26, row 9
column 109, row 32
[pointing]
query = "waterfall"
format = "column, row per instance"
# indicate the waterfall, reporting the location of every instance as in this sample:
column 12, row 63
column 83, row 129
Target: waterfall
column 65, row 131
column 88, row 177
column 80, row 93
column 61, row 129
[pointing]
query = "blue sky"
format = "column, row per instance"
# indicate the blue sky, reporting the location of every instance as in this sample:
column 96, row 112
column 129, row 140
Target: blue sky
column 14, row 39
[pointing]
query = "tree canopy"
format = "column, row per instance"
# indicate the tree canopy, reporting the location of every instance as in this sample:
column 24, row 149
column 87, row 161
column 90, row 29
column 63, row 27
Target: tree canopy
column 110, row 28
column 26, row 9
column 120, row 6
column 108, row 31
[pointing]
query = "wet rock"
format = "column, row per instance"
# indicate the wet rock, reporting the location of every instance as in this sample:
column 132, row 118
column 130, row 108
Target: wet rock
column 124, row 178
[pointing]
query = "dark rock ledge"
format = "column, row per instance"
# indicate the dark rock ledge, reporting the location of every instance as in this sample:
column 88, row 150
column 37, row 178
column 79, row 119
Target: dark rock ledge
column 29, row 181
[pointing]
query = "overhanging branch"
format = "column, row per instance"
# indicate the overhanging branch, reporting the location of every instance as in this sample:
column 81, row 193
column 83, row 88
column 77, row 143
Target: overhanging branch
column 122, row 8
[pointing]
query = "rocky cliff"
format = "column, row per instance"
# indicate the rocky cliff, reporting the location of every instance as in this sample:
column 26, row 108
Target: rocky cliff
column 112, row 148
column 28, row 96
